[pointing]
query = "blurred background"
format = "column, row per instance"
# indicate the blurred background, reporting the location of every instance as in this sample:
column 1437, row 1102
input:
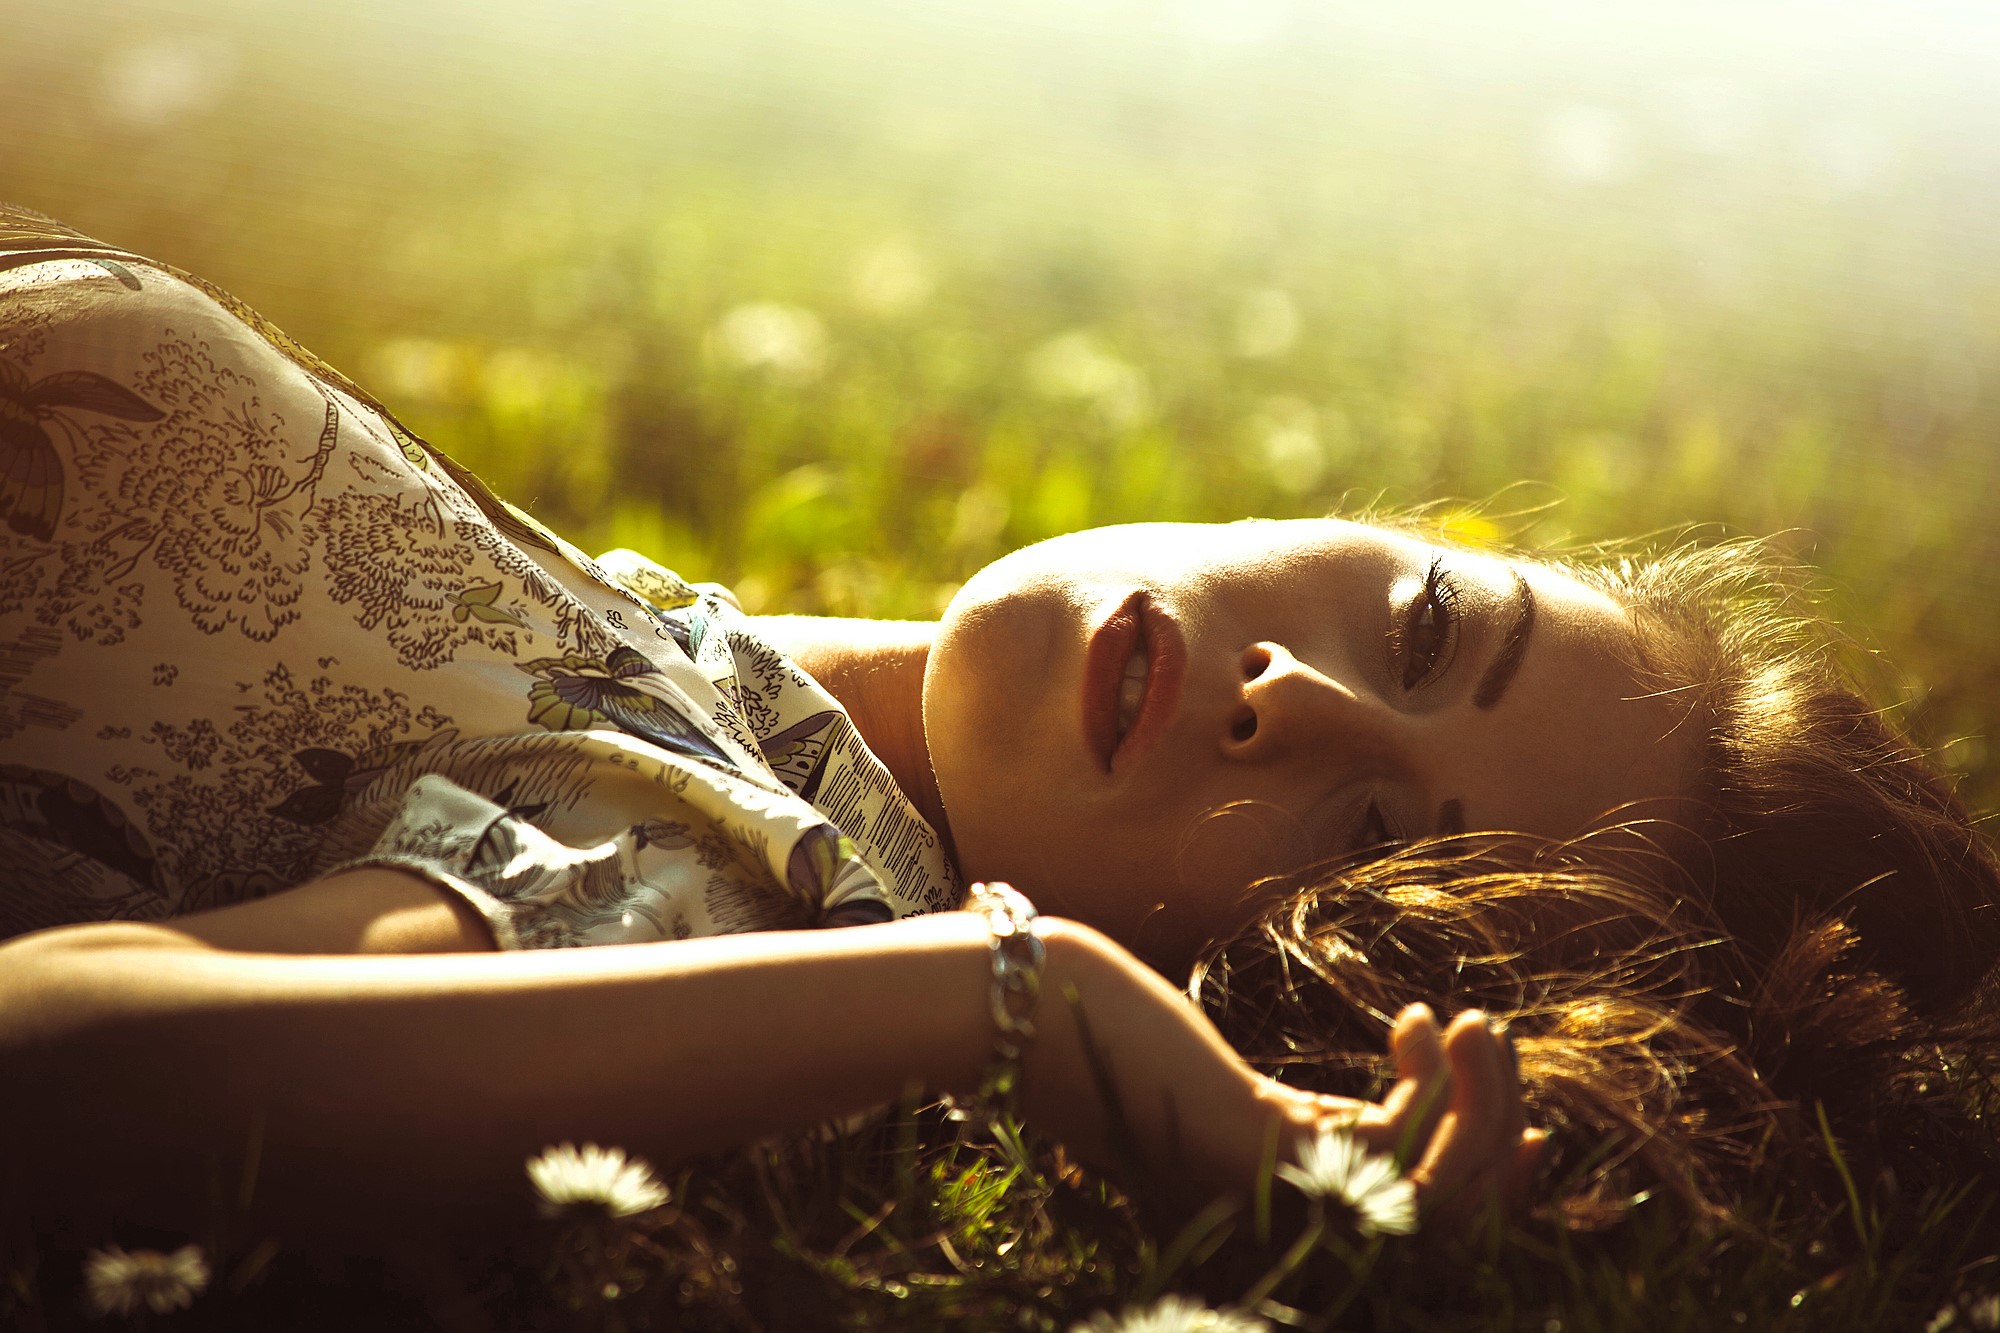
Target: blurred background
column 835, row 300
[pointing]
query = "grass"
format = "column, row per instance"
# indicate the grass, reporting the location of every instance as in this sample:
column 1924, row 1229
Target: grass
column 838, row 303
column 903, row 1226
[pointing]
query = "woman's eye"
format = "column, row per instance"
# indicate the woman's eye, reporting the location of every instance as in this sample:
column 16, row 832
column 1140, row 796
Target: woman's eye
column 1429, row 627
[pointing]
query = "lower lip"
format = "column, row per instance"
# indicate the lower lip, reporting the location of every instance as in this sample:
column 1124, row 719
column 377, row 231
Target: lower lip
column 1137, row 619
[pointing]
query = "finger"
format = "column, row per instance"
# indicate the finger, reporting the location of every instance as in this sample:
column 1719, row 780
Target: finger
column 1416, row 1104
column 1485, row 1155
column 1480, row 1125
column 1417, row 1043
column 1502, row 1190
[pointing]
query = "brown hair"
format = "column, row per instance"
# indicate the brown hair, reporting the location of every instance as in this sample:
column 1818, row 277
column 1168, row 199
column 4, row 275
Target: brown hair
column 1814, row 801
column 1681, row 1020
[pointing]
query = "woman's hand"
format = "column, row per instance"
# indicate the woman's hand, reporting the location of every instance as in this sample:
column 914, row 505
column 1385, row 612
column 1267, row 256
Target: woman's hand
column 1454, row 1115
column 1197, row 1116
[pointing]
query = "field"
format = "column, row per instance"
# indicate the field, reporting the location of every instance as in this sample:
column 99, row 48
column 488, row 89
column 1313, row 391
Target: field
column 837, row 301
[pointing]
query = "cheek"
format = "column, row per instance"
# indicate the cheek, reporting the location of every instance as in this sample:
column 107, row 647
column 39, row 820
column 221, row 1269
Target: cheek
column 976, row 695
column 1228, row 848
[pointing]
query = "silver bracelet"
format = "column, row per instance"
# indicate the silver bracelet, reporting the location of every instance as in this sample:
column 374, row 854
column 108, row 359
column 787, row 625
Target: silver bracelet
column 1017, row 955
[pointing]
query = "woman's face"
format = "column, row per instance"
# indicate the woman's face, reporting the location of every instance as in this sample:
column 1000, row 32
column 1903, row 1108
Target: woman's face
column 1133, row 724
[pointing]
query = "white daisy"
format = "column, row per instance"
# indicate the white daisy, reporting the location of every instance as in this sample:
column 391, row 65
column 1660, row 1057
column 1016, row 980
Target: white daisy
column 117, row 1282
column 1334, row 1166
column 594, row 1179
column 1172, row 1314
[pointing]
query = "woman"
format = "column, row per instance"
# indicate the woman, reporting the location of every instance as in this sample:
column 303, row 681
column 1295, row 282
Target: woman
column 258, row 636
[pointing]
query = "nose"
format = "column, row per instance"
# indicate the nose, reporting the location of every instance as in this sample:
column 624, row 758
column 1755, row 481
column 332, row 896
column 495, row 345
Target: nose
column 1284, row 703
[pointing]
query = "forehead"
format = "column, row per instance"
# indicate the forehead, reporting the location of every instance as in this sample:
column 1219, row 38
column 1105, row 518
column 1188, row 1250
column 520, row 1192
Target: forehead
column 1283, row 542
column 1253, row 551
column 1248, row 544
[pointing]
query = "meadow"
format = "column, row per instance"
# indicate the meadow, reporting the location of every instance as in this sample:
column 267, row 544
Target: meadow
column 835, row 303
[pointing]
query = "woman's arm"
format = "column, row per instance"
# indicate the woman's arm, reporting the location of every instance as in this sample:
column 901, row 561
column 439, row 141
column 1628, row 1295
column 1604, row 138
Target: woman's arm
column 145, row 1061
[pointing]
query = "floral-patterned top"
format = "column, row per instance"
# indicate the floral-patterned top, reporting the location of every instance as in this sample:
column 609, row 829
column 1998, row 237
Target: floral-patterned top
column 252, row 629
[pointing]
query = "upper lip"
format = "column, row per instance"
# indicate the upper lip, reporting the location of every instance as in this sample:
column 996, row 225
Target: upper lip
column 1138, row 624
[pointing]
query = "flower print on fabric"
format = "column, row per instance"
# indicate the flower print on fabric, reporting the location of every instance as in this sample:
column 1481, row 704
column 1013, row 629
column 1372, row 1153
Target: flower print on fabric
column 193, row 477
column 397, row 562
column 223, row 486
column 209, row 489
column 252, row 628
column 239, row 800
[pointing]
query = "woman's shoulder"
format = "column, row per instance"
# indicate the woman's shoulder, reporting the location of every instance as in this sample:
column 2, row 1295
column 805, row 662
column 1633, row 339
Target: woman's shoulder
column 248, row 604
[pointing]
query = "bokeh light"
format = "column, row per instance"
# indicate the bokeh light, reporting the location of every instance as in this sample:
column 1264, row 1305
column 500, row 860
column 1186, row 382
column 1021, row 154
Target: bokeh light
column 837, row 299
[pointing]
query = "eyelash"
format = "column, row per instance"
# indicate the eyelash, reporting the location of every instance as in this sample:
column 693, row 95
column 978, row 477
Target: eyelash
column 1438, row 597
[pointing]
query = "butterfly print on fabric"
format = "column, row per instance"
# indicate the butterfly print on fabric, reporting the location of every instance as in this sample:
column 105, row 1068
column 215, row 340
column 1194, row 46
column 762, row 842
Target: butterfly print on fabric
column 64, row 845
column 336, row 776
column 687, row 626
column 824, row 869
column 31, row 472
column 476, row 603
column 59, row 809
column 622, row 690
column 799, row 752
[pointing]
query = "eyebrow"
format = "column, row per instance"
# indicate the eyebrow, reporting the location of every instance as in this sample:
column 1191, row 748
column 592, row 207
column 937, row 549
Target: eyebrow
column 1507, row 659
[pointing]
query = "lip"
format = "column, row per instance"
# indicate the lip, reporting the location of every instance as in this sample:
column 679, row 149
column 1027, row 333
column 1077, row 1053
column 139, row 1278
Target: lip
column 1137, row 619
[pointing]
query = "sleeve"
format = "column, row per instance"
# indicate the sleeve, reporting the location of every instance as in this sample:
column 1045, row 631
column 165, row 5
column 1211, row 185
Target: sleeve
column 532, row 891
column 587, row 838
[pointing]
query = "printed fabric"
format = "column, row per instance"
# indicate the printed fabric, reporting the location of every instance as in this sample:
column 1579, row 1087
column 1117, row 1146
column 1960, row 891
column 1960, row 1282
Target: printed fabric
column 253, row 629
